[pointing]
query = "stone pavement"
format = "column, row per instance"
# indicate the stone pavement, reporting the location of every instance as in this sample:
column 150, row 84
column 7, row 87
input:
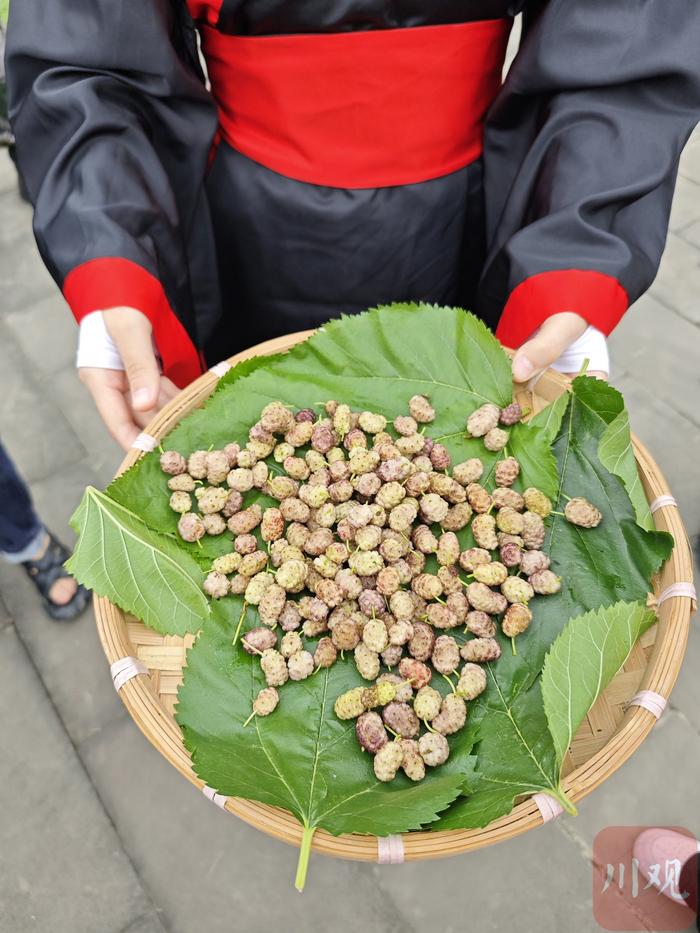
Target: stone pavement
column 98, row 834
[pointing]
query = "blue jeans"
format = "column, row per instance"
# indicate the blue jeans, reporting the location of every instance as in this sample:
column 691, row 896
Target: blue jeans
column 21, row 532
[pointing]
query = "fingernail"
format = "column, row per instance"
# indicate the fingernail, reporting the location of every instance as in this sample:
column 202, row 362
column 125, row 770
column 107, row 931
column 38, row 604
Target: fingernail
column 142, row 397
column 522, row 368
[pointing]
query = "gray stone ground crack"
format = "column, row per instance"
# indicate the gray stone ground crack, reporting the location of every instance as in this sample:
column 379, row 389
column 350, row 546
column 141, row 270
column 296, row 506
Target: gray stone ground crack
column 147, row 894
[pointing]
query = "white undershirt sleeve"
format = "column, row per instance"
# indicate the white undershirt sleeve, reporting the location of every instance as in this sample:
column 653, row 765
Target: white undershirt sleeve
column 95, row 347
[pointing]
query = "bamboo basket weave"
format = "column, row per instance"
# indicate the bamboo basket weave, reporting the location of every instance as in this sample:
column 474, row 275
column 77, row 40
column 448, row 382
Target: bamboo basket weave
column 611, row 732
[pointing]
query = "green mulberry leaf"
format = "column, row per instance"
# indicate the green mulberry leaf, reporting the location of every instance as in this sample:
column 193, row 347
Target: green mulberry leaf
column 582, row 662
column 524, row 740
column 143, row 572
column 301, row 757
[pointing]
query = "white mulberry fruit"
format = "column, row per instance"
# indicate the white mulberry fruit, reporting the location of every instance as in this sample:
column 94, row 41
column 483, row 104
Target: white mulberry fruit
column 258, row 640
column 492, row 574
column 257, row 585
column 245, row 521
column 482, row 598
column 401, row 718
column 483, row 420
column 516, row 620
column 181, row 502
column 370, row 732
column 216, row 585
column 387, row 761
column 433, row 508
column 274, row 667
column 434, row 749
column 495, row 439
column 484, row 531
column 172, row 463
column 190, row 527
column 481, row 624
column 517, row 590
column 412, row 764
column 537, row 502
column 473, row 557
column 421, row 409
column 452, row 715
column 481, row 650
column 580, row 512
column 533, row 531
column 448, row 549
column 349, row 705
column 416, row 672
column 479, row 499
column 366, row 661
column 545, row 582
column 217, row 467
column 445, row 655
column 532, row 561
column 427, row 703
column 266, row 701
column 472, row 682
column 300, row 665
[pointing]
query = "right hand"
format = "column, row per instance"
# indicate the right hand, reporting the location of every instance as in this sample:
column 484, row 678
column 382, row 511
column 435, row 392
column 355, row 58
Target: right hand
column 128, row 400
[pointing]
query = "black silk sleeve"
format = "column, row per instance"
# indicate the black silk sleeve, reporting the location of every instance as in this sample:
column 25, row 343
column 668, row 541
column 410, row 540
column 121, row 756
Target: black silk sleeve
column 581, row 156
column 113, row 129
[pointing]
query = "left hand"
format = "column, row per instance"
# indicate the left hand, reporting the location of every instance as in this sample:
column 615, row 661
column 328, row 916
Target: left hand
column 550, row 341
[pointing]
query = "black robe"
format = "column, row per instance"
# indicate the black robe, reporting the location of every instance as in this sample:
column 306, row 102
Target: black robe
column 567, row 209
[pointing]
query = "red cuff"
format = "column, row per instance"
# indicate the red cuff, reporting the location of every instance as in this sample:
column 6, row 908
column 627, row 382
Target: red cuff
column 111, row 283
column 598, row 298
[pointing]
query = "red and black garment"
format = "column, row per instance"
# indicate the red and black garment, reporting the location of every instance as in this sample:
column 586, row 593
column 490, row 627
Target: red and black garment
column 349, row 153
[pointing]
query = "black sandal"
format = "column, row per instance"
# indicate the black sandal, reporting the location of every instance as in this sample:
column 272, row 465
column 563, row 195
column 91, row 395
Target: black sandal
column 45, row 571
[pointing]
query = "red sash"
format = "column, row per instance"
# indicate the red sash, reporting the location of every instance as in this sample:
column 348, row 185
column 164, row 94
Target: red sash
column 363, row 109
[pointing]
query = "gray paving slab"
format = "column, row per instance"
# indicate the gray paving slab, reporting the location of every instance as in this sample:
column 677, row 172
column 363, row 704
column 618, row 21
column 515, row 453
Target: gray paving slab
column 148, row 924
column 62, row 866
column 686, row 204
column 8, row 176
column 47, row 334
column 200, row 862
column 657, row 786
column 678, row 283
column 23, row 275
column 32, row 426
column 691, row 234
column 103, row 454
column 655, row 346
column 690, row 160
column 672, row 440
column 540, row 881
column 60, row 650
column 13, row 211
column 686, row 693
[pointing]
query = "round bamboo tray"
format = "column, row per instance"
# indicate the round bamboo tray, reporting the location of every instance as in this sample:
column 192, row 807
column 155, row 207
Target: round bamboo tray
column 611, row 732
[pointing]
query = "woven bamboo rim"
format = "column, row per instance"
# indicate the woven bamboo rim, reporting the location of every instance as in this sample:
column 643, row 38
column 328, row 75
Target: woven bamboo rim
column 610, row 735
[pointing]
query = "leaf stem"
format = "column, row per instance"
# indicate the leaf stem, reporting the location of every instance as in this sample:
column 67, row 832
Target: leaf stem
column 560, row 795
column 240, row 623
column 304, row 853
column 452, row 686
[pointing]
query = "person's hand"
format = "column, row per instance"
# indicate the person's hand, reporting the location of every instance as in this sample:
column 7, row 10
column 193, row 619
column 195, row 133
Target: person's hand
column 128, row 400
column 550, row 341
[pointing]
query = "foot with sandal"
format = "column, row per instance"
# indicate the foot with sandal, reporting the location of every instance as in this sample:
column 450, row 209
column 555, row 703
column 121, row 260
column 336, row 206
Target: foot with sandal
column 25, row 541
